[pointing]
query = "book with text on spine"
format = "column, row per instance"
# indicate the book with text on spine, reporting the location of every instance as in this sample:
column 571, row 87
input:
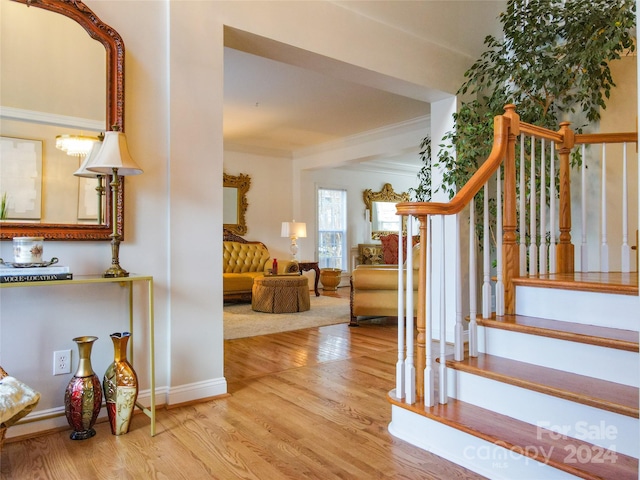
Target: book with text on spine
column 34, row 270
column 45, row 277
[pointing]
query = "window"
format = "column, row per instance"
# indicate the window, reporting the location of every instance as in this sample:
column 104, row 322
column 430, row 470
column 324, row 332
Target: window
column 332, row 228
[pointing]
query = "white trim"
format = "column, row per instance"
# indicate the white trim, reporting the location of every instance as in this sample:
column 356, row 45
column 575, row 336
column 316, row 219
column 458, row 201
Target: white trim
column 196, row 391
column 20, row 114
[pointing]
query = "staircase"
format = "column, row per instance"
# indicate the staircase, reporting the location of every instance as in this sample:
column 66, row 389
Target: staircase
column 548, row 386
column 553, row 392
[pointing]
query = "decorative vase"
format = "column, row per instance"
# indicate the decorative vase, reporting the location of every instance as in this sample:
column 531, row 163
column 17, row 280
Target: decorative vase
column 330, row 278
column 83, row 396
column 120, row 386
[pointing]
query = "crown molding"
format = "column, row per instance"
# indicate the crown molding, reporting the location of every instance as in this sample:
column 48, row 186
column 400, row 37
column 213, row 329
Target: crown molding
column 33, row 116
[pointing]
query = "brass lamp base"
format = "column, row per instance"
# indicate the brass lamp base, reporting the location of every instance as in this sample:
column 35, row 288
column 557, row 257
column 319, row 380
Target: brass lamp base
column 115, row 271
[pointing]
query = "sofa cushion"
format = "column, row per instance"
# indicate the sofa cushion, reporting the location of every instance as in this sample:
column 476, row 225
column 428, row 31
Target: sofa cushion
column 390, row 247
column 239, row 282
column 244, row 257
column 378, row 279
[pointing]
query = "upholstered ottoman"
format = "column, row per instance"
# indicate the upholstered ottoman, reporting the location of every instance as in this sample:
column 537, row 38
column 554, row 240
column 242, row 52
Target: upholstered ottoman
column 280, row 294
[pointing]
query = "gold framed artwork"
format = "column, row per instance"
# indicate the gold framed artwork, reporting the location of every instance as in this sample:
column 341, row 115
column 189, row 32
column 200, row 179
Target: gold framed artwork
column 234, row 202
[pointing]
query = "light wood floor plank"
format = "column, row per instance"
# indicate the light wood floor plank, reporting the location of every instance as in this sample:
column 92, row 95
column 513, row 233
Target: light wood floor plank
column 308, row 404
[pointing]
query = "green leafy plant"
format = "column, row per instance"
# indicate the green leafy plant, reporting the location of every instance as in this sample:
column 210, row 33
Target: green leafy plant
column 3, row 207
column 552, row 61
column 422, row 193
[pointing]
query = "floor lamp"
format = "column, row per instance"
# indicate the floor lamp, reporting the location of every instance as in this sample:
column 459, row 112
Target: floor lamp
column 114, row 159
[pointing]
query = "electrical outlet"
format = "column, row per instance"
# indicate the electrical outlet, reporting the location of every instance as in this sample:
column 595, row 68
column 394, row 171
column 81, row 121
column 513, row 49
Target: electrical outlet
column 61, row 362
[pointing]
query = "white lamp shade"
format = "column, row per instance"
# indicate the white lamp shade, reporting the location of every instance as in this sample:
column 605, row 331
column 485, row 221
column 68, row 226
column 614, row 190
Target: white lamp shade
column 294, row 229
column 89, row 160
column 114, row 154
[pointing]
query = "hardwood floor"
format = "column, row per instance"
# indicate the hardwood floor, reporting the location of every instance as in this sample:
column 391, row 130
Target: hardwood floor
column 306, row 404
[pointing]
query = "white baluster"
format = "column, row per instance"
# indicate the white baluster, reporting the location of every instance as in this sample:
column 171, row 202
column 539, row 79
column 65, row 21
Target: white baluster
column 442, row 376
column 486, row 257
column 458, row 345
column 584, row 247
column 473, row 294
column 604, row 246
column 409, row 367
column 429, row 373
column 626, row 249
column 522, row 211
column 552, row 209
column 400, row 380
column 500, row 280
column 543, row 208
column 533, row 251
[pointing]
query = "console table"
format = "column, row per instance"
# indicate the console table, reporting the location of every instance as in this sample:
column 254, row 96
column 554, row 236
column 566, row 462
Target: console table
column 123, row 281
column 306, row 266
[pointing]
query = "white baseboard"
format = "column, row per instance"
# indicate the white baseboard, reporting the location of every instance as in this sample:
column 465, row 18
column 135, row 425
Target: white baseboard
column 196, row 391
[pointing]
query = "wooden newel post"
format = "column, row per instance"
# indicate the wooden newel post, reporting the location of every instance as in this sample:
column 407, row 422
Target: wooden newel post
column 564, row 249
column 510, row 248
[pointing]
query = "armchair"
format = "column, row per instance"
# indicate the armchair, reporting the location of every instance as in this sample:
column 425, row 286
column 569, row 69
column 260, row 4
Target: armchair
column 374, row 289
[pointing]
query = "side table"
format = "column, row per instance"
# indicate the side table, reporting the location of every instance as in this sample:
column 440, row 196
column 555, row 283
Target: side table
column 306, row 266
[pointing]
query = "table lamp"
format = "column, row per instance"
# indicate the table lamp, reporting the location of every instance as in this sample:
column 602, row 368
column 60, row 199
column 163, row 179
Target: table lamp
column 83, row 172
column 114, row 159
column 294, row 230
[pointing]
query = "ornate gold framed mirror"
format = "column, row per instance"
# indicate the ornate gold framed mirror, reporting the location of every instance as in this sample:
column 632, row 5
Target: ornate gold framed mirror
column 234, row 202
column 381, row 210
column 113, row 114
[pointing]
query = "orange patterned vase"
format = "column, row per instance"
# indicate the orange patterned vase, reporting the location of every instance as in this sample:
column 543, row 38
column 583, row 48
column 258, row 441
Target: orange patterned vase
column 120, row 386
column 83, row 396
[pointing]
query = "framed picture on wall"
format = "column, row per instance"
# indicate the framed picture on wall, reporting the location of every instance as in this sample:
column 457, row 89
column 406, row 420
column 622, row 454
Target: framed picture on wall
column 21, row 177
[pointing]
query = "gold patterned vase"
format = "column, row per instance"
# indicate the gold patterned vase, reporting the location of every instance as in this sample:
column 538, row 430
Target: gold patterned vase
column 83, row 396
column 120, row 386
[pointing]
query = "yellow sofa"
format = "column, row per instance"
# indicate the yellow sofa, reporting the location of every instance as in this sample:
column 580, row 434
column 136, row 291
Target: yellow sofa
column 374, row 290
column 243, row 261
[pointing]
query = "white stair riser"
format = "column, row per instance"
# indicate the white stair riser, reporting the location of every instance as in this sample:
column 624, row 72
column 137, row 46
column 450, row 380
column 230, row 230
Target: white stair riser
column 609, row 310
column 483, row 457
column 619, row 366
column 600, row 427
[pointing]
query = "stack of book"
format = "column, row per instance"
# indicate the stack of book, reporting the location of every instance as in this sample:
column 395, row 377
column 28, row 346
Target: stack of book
column 34, row 274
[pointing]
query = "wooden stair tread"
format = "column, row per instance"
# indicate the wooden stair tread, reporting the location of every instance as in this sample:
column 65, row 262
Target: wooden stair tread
column 522, row 437
column 601, row 282
column 576, row 332
column 594, row 392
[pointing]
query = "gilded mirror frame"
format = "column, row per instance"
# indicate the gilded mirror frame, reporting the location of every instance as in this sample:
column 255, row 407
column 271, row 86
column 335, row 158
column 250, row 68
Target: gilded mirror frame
column 114, row 47
column 385, row 195
column 241, row 182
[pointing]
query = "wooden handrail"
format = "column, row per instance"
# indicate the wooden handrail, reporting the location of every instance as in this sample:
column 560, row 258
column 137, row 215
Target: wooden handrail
column 540, row 132
column 477, row 181
column 628, row 137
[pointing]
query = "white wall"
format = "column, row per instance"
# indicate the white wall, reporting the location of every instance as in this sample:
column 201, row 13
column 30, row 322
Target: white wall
column 270, row 198
column 173, row 221
column 619, row 116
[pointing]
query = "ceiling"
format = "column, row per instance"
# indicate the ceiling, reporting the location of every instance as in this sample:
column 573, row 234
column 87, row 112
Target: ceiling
column 279, row 108
column 274, row 107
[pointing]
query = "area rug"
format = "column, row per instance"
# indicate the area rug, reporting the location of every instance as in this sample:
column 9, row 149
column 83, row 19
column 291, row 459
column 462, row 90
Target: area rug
column 240, row 321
